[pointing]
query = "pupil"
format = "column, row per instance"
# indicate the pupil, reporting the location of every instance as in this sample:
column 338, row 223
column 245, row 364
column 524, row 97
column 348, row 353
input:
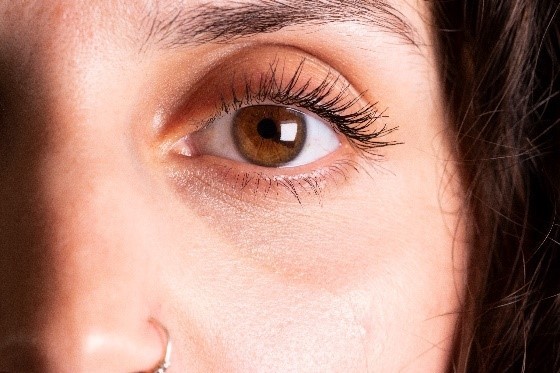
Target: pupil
column 267, row 128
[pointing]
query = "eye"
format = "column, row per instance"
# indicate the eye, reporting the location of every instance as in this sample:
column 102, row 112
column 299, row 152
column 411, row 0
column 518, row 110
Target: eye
column 264, row 135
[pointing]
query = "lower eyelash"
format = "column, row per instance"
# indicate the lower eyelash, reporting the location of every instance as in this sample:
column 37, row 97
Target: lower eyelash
column 328, row 100
column 249, row 185
column 313, row 184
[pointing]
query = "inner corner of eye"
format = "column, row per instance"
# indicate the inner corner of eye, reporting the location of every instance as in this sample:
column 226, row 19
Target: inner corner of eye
column 185, row 146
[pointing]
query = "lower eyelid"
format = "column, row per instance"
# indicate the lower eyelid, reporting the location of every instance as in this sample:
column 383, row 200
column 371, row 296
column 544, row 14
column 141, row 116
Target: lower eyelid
column 211, row 177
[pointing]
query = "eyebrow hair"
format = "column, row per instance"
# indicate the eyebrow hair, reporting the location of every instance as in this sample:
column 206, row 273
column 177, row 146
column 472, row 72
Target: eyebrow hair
column 222, row 23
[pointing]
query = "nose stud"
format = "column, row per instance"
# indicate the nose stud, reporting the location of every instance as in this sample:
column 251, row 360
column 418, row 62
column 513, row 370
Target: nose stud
column 165, row 361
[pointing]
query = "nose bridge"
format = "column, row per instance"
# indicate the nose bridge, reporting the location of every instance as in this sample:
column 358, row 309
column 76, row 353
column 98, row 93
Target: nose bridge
column 92, row 239
column 97, row 240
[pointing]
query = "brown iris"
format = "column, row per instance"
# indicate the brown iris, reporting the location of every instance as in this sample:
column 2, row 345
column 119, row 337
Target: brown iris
column 269, row 135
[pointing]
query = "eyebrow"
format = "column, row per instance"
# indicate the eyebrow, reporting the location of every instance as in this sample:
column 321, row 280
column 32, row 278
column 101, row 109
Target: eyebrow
column 208, row 23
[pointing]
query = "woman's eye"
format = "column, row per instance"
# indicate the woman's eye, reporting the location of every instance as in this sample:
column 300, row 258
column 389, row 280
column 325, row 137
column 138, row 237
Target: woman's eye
column 264, row 135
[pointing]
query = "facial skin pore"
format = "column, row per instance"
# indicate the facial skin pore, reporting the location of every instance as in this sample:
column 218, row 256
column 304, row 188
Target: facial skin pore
column 347, row 263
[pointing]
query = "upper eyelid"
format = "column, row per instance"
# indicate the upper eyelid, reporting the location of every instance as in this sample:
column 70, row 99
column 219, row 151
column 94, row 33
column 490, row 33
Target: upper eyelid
column 336, row 105
column 224, row 87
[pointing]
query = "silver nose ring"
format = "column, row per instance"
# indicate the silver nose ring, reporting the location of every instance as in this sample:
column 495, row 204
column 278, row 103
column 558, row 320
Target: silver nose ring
column 165, row 361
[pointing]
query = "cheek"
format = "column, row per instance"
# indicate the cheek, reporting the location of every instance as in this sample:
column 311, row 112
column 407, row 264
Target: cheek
column 296, row 329
column 349, row 284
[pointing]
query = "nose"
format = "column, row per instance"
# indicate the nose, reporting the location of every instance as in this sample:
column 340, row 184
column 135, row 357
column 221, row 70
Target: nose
column 78, row 278
column 89, row 350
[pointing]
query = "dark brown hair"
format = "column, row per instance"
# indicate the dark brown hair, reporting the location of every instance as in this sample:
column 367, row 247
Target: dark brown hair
column 499, row 64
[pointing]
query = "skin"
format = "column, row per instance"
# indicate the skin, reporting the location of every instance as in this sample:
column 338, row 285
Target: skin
column 104, row 226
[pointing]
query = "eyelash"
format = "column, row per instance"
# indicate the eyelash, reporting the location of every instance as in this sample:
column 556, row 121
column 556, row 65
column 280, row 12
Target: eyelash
column 329, row 100
column 311, row 184
column 323, row 100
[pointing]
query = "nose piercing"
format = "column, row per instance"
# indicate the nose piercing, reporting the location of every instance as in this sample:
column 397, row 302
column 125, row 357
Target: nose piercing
column 165, row 362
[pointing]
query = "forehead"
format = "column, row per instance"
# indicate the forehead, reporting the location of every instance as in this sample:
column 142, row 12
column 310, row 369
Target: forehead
column 40, row 20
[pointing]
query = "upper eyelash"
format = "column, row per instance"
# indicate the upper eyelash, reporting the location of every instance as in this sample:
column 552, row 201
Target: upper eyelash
column 326, row 100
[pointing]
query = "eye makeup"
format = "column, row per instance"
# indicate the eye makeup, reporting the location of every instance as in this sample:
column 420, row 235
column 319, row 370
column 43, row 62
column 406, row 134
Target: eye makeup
column 286, row 79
